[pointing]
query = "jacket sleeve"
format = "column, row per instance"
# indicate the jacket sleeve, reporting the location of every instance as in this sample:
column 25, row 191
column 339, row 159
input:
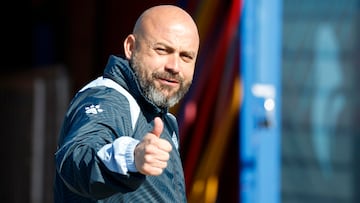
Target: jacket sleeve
column 92, row 123
column 118, row 156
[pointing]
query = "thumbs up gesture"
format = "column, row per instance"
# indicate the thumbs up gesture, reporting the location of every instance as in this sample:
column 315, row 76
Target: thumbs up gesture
column 152, row 153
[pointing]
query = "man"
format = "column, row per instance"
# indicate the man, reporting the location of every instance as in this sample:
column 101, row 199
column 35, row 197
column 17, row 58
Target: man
column 118, row 142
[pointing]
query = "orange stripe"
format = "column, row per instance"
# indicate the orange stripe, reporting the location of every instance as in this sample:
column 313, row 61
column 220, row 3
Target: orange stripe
column 209, row 166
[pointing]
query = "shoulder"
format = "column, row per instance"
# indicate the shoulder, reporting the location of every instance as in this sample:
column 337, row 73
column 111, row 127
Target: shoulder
column 106, row 91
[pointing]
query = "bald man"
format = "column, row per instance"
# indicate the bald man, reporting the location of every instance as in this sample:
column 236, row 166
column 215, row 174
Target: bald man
column 118, row 142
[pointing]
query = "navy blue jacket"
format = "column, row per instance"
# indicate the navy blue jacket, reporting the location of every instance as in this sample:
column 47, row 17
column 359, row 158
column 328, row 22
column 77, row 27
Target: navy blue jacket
column 98, row 115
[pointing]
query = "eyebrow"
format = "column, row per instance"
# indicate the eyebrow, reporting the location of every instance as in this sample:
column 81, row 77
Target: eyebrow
column 189, row 53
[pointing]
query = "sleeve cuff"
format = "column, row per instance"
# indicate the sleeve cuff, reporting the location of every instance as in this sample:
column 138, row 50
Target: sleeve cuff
column 119, row 155
column 129, row 156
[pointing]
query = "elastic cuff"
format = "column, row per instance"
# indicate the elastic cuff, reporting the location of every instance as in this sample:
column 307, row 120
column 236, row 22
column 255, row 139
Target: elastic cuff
column 129, row 156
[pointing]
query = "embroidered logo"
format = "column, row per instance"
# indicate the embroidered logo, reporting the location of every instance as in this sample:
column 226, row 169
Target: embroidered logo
column 174, row 139
column 93, row 109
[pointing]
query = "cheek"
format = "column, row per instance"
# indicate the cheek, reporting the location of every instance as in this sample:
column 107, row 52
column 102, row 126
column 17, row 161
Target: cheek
column 188, row 73
column 153, row 64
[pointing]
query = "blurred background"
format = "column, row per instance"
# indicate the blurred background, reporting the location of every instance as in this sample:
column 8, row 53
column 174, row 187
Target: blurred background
column 272, row 115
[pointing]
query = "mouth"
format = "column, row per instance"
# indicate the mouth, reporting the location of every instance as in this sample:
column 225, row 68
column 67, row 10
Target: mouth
column 168, row 81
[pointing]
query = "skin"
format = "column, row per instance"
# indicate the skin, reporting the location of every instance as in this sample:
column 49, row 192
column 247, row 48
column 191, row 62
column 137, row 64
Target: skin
column 162, row 50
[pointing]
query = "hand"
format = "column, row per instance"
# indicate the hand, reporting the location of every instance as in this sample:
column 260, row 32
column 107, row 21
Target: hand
column 152, row 153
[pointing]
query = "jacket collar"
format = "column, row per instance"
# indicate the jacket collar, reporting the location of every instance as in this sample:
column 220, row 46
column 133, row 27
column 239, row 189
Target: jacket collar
column 119, row 70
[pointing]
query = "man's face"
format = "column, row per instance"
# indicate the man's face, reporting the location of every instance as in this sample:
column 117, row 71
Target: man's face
column 164, row 61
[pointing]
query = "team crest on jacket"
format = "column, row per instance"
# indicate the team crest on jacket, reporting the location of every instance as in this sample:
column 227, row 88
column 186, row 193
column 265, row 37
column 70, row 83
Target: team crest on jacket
column 93, row 109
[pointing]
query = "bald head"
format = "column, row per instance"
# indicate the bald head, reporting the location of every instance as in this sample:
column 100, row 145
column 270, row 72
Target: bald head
column 165, row 17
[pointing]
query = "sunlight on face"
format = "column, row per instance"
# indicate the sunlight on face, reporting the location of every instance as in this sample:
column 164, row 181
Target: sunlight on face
column 162, row 95
column 162, row 52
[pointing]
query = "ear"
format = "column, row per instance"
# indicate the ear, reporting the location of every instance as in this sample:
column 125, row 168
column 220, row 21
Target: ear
column 129, row 46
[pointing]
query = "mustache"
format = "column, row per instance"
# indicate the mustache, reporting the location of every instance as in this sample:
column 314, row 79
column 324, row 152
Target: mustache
column 168, row 76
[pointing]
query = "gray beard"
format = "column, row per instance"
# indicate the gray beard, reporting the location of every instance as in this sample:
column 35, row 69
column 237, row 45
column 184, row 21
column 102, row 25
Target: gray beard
column 151, row 92
column 157, row 97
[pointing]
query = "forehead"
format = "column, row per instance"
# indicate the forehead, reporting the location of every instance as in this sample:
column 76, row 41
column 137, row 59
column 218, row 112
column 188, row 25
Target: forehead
column 175, row 35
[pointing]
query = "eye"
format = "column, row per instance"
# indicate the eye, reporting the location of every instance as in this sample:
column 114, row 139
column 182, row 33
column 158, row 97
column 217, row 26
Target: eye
column 161, row 50
column 186, row 57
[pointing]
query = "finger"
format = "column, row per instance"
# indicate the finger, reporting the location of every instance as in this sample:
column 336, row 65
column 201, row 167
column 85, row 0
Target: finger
column 164, row 145
column 148, row 169
column 159, row 161
column 160, row 164
column 162, row 156
column 158, row 127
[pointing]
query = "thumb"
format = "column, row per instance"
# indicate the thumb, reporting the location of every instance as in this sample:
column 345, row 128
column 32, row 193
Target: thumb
column 158, row 126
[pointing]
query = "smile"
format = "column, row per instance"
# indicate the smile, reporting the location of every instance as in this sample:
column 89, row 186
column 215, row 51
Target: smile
column 168, row 82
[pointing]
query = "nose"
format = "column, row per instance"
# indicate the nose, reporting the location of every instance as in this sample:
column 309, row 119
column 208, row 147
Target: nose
column 173, row 64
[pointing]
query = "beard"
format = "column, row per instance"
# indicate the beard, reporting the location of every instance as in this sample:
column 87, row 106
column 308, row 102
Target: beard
column 156, row 94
